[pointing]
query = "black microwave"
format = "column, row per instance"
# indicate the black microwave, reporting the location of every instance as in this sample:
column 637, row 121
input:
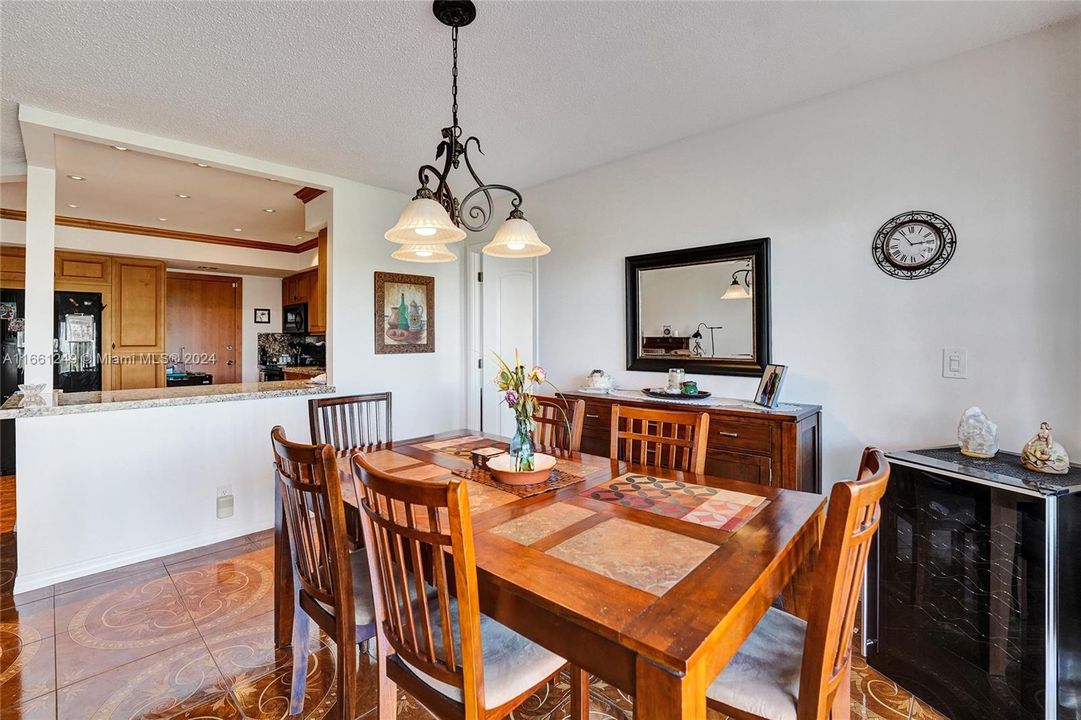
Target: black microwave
column 295, row 318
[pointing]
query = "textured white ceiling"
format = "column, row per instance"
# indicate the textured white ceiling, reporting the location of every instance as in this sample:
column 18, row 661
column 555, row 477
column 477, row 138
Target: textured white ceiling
column 138, row 189
column 551, row 88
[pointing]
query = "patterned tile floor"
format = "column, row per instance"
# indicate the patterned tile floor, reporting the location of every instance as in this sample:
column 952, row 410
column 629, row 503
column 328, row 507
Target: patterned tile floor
column 190, row 636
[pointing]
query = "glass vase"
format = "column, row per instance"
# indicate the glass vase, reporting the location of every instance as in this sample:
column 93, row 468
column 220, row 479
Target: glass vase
column 521, row 445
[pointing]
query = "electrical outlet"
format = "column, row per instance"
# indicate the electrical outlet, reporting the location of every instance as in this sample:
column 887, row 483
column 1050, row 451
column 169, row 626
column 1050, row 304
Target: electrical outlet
column 955, row 363
column 224, row 490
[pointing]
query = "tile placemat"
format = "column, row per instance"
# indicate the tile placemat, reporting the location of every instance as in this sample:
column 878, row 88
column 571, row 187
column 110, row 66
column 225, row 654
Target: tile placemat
column 555, row 481
column 644, row 557
column 726, row 510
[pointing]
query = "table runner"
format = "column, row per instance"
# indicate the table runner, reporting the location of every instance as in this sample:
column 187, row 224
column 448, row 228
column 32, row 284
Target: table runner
column 726, row 510
column 555, row 481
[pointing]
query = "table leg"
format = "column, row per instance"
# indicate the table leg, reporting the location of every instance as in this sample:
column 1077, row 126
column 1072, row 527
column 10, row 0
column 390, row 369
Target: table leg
column 796, row 597
column 663, row 695
column 284, row 601
column 579, row 709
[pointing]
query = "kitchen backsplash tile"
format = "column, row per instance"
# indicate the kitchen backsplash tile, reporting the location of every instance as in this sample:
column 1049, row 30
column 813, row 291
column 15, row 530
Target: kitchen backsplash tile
column 300, row 349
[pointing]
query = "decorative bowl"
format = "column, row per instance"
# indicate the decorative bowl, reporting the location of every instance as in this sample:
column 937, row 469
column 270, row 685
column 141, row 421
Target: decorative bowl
column 502, row 468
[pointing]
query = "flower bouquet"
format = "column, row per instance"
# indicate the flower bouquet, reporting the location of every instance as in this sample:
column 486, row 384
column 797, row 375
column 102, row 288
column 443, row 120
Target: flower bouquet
column 518, row 386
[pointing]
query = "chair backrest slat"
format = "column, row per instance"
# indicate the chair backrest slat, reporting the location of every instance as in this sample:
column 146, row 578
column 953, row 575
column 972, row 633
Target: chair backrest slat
column 307, row 477
column 851, row 523
column 558, row 422
column 351, row 422
column 416, row 533
column 661, row 438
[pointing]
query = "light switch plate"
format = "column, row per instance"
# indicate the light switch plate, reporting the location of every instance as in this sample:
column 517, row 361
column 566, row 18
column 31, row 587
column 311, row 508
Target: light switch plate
column 955, row 363
column 225, row 507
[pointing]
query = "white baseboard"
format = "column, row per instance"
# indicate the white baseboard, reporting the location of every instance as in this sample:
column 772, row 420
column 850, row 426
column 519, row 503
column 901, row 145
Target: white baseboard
column 44, row 578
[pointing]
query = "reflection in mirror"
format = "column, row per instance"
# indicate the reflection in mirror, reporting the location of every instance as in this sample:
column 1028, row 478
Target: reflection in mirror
column 703, row 309
column 706, row 309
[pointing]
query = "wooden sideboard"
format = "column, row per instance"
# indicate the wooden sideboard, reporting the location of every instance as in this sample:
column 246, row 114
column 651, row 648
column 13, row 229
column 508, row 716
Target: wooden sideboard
column 778, row 447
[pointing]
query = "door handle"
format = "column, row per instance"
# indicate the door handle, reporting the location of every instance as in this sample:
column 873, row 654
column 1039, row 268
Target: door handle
column 229, row 363
column 728, row 434
column 595, row 417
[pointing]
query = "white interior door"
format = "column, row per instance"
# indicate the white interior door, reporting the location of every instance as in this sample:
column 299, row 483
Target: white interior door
column 507, row 320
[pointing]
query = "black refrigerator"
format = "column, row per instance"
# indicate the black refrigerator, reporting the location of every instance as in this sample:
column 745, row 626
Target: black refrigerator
column 11, row 368
column 77, row 342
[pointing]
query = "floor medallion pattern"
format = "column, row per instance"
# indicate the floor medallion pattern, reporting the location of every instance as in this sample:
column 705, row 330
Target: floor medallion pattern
column 192, row 639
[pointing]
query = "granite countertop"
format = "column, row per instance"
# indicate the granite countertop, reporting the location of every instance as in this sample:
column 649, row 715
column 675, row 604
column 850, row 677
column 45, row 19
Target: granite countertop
column 88, row 402
column 304, row 369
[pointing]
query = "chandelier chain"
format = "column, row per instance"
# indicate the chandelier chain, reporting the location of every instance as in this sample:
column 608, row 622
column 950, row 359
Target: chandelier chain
column 454, row 77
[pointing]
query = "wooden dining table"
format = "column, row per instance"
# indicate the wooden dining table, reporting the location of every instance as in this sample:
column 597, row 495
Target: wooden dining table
column 648, row 578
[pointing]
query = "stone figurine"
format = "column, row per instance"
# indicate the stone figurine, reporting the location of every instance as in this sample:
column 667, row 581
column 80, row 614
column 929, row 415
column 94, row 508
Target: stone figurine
column 1043, row 454
column 977, row 435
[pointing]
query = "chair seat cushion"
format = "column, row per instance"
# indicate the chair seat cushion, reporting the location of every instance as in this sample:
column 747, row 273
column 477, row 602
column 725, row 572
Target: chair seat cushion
column 763, row 677
column 363, row 604
column 512, row 664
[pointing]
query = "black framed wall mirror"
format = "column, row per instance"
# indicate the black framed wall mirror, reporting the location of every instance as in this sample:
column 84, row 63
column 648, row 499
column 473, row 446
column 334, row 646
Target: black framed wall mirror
column 703, row 309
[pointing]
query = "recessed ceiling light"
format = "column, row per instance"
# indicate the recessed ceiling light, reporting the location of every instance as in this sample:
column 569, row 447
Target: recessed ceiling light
column 269, row 210
column 162, row 219
column 202, row 164
column 121, row 148
column 182, row 196
column 72, row 205
column 300, row 237
column 272, row 179
column 76, row 177
column 238, row 229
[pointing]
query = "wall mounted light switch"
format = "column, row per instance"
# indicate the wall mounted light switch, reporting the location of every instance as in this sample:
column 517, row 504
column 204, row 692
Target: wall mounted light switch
column 955, row 363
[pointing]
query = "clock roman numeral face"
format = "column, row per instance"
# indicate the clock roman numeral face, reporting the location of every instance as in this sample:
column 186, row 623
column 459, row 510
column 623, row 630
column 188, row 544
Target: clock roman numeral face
column 912, row 245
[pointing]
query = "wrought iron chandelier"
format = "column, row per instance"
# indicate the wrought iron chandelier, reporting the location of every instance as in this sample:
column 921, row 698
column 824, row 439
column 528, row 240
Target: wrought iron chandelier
column 436, row 217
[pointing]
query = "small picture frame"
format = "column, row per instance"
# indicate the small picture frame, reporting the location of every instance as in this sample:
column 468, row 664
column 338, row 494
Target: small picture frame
column 404, row 313
column 262, row 316
column 769, row 387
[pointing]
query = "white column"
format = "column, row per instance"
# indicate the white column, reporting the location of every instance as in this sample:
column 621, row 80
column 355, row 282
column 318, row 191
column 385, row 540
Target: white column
column 40, row 243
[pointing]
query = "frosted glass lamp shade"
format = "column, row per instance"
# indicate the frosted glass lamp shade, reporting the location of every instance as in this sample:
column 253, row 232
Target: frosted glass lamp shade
column 424, row 221
column 516, row 238
column 736, row 291
column 435, row 253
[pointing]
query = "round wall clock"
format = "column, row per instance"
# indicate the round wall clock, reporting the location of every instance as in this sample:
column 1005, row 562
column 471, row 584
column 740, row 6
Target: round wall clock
column 914, row 245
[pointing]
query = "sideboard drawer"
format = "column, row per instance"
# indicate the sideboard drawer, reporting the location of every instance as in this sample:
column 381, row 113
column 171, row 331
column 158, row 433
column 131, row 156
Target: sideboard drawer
column 739, row 466
column 739, row 435
column 598, row 416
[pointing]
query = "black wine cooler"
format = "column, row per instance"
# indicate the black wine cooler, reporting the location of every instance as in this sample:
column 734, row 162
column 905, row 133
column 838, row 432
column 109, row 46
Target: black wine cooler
column 973, row 597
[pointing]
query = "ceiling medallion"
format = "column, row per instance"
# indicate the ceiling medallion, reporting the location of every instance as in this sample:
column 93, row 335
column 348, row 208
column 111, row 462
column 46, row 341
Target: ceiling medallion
column 435, row 217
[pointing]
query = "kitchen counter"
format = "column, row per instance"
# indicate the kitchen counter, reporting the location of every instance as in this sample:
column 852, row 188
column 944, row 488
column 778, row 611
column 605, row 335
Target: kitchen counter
column 307, row 370
column 88, row 402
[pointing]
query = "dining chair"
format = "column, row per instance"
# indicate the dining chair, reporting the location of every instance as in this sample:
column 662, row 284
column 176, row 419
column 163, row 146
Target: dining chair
column 558, row 423
column 455, row 661
column 790, row 669
column 351, row 421
column 662, row 438
column 332, row 585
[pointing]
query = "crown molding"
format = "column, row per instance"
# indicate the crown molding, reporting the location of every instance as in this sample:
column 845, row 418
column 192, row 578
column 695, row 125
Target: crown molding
column 106, row 226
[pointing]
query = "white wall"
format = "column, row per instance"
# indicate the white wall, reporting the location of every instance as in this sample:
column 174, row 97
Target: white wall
column 428, row 388
column 106, row 489
column 259, row 292
column 989, row 139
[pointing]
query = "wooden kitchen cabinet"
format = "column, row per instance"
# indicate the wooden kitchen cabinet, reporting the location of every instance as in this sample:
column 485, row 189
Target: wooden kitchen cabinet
column 776, row 447
column 310, row 287
column 12, row 266
column 82, row 269
column 138, row 323
column 317, row 286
